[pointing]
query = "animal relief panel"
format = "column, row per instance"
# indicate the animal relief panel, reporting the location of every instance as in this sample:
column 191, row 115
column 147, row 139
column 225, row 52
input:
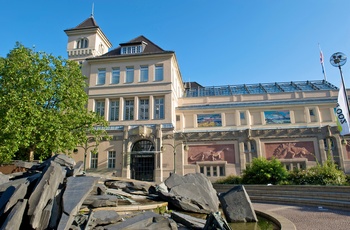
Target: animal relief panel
column 211, row 153
column 290, row 150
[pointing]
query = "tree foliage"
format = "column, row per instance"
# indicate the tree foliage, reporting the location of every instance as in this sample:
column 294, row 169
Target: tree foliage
column 43, row 105
column 263, row 171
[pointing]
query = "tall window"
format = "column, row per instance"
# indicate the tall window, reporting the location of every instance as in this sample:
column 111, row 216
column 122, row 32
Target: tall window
column 144, row 74
column 115, row 76
column 143, row 109
column 159, row 73
column 158, row 108
column 129, row 110
column 111, row 159
column 114, row 110
column 100, row 108
column 93, row 160
column 129, row 75
column 101, row 77
column 82, row 43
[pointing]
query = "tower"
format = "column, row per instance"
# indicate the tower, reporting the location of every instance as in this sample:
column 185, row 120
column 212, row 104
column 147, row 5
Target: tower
column 86, row 41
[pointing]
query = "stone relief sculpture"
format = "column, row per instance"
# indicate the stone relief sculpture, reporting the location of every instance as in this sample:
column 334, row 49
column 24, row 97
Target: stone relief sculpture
column 209, row 155
column 289, row 150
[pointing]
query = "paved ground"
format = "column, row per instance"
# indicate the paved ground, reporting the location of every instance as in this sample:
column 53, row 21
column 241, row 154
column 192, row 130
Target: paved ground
column 309, row 218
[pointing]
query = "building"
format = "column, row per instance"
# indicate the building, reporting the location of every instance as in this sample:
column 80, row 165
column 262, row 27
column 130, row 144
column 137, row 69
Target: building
column 160, row 124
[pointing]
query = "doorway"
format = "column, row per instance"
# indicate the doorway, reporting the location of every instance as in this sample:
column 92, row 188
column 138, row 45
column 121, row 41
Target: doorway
column 142, row 161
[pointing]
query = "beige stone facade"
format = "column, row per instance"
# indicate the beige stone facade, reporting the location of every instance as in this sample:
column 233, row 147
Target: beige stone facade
column 161, row 125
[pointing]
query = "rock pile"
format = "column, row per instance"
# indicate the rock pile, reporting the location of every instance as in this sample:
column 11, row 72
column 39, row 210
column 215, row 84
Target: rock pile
column 56, row 194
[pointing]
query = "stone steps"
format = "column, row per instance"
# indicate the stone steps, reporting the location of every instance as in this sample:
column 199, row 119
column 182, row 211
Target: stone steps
column 334, row 197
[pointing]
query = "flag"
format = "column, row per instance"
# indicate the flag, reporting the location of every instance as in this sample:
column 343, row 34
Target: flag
column 321, row 57
column 342, row 111
column 322, row 63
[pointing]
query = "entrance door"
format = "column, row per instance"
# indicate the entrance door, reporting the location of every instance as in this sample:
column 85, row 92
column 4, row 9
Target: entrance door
column 142, row 161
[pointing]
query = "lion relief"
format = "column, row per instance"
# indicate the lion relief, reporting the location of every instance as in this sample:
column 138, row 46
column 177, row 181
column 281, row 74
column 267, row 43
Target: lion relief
column 289, row 150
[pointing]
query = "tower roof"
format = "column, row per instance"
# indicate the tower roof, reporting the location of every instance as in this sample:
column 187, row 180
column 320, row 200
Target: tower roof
column 88, row 23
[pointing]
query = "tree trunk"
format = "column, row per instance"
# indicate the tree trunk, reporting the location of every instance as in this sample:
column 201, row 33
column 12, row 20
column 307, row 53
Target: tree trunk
column 31, row 155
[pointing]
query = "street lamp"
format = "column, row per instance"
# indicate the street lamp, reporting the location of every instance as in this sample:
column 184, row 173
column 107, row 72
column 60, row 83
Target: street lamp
column 174, row 150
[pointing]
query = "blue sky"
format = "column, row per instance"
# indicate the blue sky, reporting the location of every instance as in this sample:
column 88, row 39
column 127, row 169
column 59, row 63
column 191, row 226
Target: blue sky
column 224, row 42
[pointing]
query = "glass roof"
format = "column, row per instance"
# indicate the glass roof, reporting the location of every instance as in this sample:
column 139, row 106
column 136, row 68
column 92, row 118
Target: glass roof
column 260, row 88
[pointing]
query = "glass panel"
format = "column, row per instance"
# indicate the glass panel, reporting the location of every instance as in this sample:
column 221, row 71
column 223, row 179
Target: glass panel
column 115, row 76
column 114, row 110
column 129, row 75
column 101, row 77
column 159, row 73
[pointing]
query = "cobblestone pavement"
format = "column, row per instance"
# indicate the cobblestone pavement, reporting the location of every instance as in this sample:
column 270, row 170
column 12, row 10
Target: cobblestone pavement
column 310, row 218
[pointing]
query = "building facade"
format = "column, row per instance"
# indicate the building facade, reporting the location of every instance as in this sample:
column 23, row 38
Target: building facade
column 160, row 125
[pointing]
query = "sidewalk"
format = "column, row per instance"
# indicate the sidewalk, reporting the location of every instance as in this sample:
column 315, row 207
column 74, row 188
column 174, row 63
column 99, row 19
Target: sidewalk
column 306, row 217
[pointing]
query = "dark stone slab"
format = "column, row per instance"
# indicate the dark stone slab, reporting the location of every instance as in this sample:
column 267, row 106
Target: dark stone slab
column 56, row 209
column 145, row 220
column 193, row 192
column 77, row 189
column 18, row 193
column 14, row 219
column 45, row 190
column 216, row 221
column 45, row 217
column 95, row 201
column 31, row 178
column 4, row 178
column 188, row 221
column 237, row 206
column 105, row 217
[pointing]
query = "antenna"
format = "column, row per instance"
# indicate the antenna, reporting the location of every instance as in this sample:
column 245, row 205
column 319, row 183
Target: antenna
column 92, row 10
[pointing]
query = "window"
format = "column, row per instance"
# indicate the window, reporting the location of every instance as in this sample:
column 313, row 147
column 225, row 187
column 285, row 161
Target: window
column 241, row 115
column 111, row 159
column 215, row 172
column 93, row 160
column 115, row 76
column 311, row 112
column 101, row 77
column 114, row 110
column 100, row 108
column 158, row 73
column 159, row 108
column 143, row 109
column 144, row 74
column 82, row 43
column 129, row 75
column 129, row 110
column 101, row 48
column 208, row 171
column 132, row 49
column 222, row 170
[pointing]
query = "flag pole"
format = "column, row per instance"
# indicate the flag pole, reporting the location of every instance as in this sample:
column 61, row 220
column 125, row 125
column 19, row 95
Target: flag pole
column 322, row 63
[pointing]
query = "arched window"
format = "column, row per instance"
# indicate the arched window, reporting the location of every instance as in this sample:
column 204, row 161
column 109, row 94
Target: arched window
column 101, row 48
column 143, row 145
column 82, row 43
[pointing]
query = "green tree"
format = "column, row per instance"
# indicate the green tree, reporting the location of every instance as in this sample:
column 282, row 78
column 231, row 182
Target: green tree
column 43, row 105
column 263, row 171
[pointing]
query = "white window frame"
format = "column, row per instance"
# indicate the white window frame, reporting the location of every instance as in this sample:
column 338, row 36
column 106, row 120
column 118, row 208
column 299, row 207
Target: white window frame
column 129, row 75
column 144, row 109
column 114, row 110
column 111, row 159
column 93, row 160
column 129, row 110
column 115, row 79
column 143, row 73
column 100, row 107
column 159, row 73
column 101, row 77
column 159, row 109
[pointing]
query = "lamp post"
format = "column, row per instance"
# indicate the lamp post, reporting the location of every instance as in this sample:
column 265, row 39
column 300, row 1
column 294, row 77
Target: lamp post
column 174, row 150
